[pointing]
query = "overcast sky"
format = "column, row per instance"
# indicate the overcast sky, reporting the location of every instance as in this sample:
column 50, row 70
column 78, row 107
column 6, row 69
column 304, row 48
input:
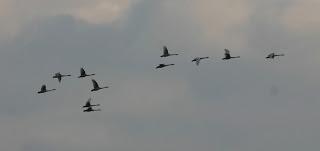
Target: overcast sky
column 246, row 104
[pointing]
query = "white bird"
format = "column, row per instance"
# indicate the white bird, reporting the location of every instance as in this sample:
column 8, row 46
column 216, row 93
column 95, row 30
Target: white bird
column 227, row 55
column 83, row 73
column 166, row 52
column 273, row 55
column 163, row 65
column 44, row 89
column 59, row 76
column 96, row 86
column 88, row 104
column 198, row 59
column 90, row 109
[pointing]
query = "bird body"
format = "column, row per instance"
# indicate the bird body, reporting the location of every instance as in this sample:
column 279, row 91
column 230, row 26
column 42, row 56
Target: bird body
column 96, row 86
column 44, row 89
column 163, row 65
column 227, row 55
column 90, row 109
column 166, row 52
column 273, row 55
column 59, row 76
column 84, row 74
column 198, row 59
column 88, row 104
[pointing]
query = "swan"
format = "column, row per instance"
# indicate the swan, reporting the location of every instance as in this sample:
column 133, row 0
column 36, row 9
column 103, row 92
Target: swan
column 44, row 89
column 198, row 59
column 166, row 52
column 90, row 109
column 83, row 73
column 227, row 55
column 163, row 65
column 273, row 55
column 88, row 104
column 59, row 76
column 96, row 86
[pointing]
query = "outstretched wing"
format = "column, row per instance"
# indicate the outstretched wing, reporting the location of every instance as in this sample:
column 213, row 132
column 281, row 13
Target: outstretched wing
column 165, row 50
column 227, row 53
column 270, row 55
column 88, row 103
column 89, row 109
column 95, row 84
column 82, row 72
column 43, row 88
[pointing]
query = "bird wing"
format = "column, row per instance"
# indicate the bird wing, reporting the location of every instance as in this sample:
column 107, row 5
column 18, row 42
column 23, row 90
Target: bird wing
column 89, row 109
column 43, row 88
column 82, row 72
column 88, row 102
column 227, row 53
column 95, row 84
column 165, row 50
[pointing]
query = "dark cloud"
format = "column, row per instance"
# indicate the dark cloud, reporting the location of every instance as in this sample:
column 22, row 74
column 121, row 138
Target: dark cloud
column 247, row 104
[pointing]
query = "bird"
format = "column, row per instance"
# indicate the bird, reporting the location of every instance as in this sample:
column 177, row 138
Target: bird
column 90, row 109
column 273, row 55
column 227, row 55
column 88, row 104
column 96, row 86
column 44, row 89
column 83, row 73
column 59, row 76
column 198, row 59
column 163, row 65
column 166, row 52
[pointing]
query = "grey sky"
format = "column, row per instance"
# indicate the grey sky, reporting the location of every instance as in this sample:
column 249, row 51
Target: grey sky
column 247, row 104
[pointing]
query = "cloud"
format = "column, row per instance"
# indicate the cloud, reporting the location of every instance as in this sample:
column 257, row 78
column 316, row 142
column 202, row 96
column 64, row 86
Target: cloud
column 222, row 21
column 15, row 15
column 302, row 16
column 219, row 105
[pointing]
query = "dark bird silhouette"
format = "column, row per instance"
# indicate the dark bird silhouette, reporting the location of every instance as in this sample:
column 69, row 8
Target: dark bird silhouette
column 44, row 89
column 88, row 104
column 96, row 86
column 198, row 59
column 83, row 73
column 90, row 109
column 59, row 76
column 273, row 55
column 166, row 52
column 163, row 65
column 227, row 55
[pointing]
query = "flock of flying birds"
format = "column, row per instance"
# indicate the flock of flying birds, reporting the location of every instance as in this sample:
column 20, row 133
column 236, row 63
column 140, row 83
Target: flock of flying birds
column 96, row 87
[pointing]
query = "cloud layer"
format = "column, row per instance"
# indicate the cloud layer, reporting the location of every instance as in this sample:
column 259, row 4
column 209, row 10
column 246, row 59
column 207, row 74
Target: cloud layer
column 247, row 104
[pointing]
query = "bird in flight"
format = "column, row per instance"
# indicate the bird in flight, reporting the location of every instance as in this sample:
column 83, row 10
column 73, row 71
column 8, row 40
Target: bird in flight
column 88, row 104
column 44, row 89
column 59, row 76
column 96, row 86
column 198, row 59
column 83, row 73
column 273, row 55
column 227, row 55
column 166, row 52
column 90, row 109
column 163, row 65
